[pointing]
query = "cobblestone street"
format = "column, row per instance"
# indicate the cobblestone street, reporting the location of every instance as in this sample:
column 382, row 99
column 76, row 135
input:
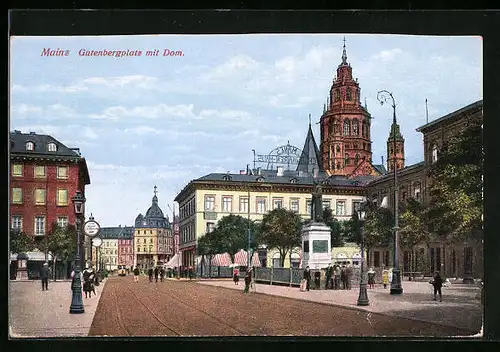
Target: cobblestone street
column 183, row 308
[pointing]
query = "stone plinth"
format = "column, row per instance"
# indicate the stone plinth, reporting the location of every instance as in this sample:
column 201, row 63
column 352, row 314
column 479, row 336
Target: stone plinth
column 316, row 246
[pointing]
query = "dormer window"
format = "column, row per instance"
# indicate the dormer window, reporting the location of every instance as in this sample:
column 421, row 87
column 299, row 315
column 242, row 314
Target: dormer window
column 226, row 178
column 30, row 145
column 325, row 182
column 294, row 180
column 260, row 179
column 52, row 147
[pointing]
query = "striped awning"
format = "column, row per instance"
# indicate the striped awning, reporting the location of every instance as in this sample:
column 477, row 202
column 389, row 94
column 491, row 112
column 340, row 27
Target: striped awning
column 241, row 258
column 33, row 256
column 221, row 260
column 176, row 261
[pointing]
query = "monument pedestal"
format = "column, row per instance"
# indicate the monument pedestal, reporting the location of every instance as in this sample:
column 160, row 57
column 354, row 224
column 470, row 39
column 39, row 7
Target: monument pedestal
column 316, row 246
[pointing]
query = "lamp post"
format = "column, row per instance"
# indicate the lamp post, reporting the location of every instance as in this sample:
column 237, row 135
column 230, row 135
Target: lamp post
column 76, row 286
column 383, row 96
column 363, row 294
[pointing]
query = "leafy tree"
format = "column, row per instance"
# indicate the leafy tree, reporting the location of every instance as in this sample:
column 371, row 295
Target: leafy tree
column 206, row 248
column 61, row 242
column 352, row 229
column 281, row 229
column 335, row 226
column 231, row 234
column 20, row 242
column 412, row 226
column 378, row 226
column 456, row 199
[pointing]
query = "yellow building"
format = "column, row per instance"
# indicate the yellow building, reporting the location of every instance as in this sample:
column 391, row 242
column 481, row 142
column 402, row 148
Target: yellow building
column 109, row 253
column 153, row 241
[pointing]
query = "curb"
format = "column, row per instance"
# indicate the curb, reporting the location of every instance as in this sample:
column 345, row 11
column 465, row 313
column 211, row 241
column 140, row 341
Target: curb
column 356, row 309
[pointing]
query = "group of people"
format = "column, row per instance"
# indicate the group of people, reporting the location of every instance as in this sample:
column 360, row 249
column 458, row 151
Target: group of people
column 157, row 271
column 89, row 279
column 248, row 278
column 338, row 277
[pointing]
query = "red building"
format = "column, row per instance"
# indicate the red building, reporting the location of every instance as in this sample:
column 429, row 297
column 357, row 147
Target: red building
column 345, row 128
column 44, row 176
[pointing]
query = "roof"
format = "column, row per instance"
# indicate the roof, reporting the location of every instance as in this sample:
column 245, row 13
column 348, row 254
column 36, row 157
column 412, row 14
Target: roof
column 476, row 105
column 406, row 169
column 310, row 157
column 380, row 168
column 18, row 142
column 119, row 232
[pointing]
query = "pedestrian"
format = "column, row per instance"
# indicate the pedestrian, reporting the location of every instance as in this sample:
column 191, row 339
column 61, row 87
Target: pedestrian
column 248, row 280
column 150, row 274
column 136, row 274
column 307, row 277
column 190, row 272
column 437, row 282
column 156, row 274
column 162, row 274
column 45, row 274
column 385, row 277
column 348, row 276
column 336, row 279
column 185, row 272
column 88, row 282
column 236, row 275
column 328, row 274
column 371, row 278
column 343, row 277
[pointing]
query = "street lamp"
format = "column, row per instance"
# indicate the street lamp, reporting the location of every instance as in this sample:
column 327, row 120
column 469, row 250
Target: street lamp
column 396, row 287
column 76, row 286
column 363, row 294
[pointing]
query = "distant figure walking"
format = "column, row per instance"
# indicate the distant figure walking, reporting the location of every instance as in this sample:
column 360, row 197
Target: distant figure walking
column 236, row 276
column 190, row 272
column 44, row 274
column 329, row 273
column 150, row 274
column 162, row 274
column 307, row 277
column 343, row 277
column 348, row 276
column 88, row 282
column 136, row 274
column 371, row 278
column 156, row 274
column 248, row 280
column 336, row 279
column 437, row 282
column 385, row 277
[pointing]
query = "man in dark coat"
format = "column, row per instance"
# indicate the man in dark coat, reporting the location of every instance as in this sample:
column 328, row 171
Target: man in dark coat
column 162, row 273
column 44, row 274
column 343, row 277
column 437, row 282
column 190, row 272
column 156, row 274
column 150, row 274
column 307, row 277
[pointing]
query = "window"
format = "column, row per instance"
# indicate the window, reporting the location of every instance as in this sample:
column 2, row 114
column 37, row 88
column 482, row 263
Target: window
column 40, row 196
column 144, row 240
column 276, row 261
column 17, row 223
column 277, row 203
column 210, row 227
column 30, row 146
column 348, row 94
column 347, row 128
column 308, row 206
column 227, row 204
column 39, row 171
column 261, row 205
column 336, row 95
column 294, row 205
column 434, row 155
column 210, row 203
column 355, row 128
column 356, row 204
column 347, row 160
column 326, row 204
column 150, row 240
column 17, row 195
column 39, row 225
column 62, row 221
column 338, row 166
column 416, row 191
column 338, row 149
column 62, row 197
column 62, row 172
column 376, row 259
column 17, row 170
column 52, row 147
column 356, row 159
column 340, row 207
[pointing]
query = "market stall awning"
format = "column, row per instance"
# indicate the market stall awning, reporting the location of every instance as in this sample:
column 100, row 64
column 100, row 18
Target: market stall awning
column 34, row 256
column 221, row 260
column 241, row 258
column 176, row 261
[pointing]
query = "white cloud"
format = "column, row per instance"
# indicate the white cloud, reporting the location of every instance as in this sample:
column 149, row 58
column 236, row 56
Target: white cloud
column 25, row 109
column 143, row 130
column 138, row 81
column 387, row 55
column 89, row 133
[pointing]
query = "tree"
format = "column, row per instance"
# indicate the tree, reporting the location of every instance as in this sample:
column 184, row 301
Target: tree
column 231, row 234
column 456, row 191
column 378, row 226
column 412, row 226
column 336, row 238
column 20, row 242
column 281, row 229
column 206, row 247
column 352, row 229
column 61, row 242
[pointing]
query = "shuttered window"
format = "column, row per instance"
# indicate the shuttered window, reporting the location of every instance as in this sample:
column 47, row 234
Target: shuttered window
column 40, row 196
column 17, row 195
column 62, row 197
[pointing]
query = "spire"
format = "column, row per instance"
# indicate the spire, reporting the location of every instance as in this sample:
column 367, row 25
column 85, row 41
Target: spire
column 344, row 55
column 155, row 190
column 309, row 120
column 366, row 106
column 155, row 198
column 310, row 157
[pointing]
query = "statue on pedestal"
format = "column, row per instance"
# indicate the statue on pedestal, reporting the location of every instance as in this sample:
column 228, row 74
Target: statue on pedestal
column 317, row 203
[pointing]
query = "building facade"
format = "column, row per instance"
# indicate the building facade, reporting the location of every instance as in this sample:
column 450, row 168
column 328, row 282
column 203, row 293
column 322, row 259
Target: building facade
column 123, row 252
column 153, row 239
column 453, row 260
column 109, row 252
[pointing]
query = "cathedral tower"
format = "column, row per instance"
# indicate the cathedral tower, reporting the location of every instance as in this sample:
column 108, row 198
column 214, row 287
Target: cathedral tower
column 396, row 154
column 345, row 127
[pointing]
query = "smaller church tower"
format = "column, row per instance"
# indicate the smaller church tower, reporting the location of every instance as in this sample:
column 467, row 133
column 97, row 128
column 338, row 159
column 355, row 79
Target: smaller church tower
column 395, row 148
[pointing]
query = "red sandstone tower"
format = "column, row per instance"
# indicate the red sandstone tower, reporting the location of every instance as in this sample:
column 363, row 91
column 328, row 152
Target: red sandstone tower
column 398, row 154
column 345, row 127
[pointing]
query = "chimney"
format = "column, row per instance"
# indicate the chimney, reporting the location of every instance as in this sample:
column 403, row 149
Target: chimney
column 279, row 171
column 315, row 172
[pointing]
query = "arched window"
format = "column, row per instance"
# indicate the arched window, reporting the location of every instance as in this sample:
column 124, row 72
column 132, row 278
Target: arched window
column 355, row 127
column 434, row 153
column 338, row 149
column 346, row 157
column 355, row 146
column 338, row 166
column 336, row 95
column 30, row 145
column 347, row 128
column 331, row 128
column 356, row 159
column 348, row 94
column 52, row 147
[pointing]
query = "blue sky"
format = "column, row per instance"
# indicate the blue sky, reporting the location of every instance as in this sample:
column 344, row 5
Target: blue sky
column 144, row 121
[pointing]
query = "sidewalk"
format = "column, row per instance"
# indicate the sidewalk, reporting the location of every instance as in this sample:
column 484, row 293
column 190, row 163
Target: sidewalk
column 460, row 308
column 39, row 314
